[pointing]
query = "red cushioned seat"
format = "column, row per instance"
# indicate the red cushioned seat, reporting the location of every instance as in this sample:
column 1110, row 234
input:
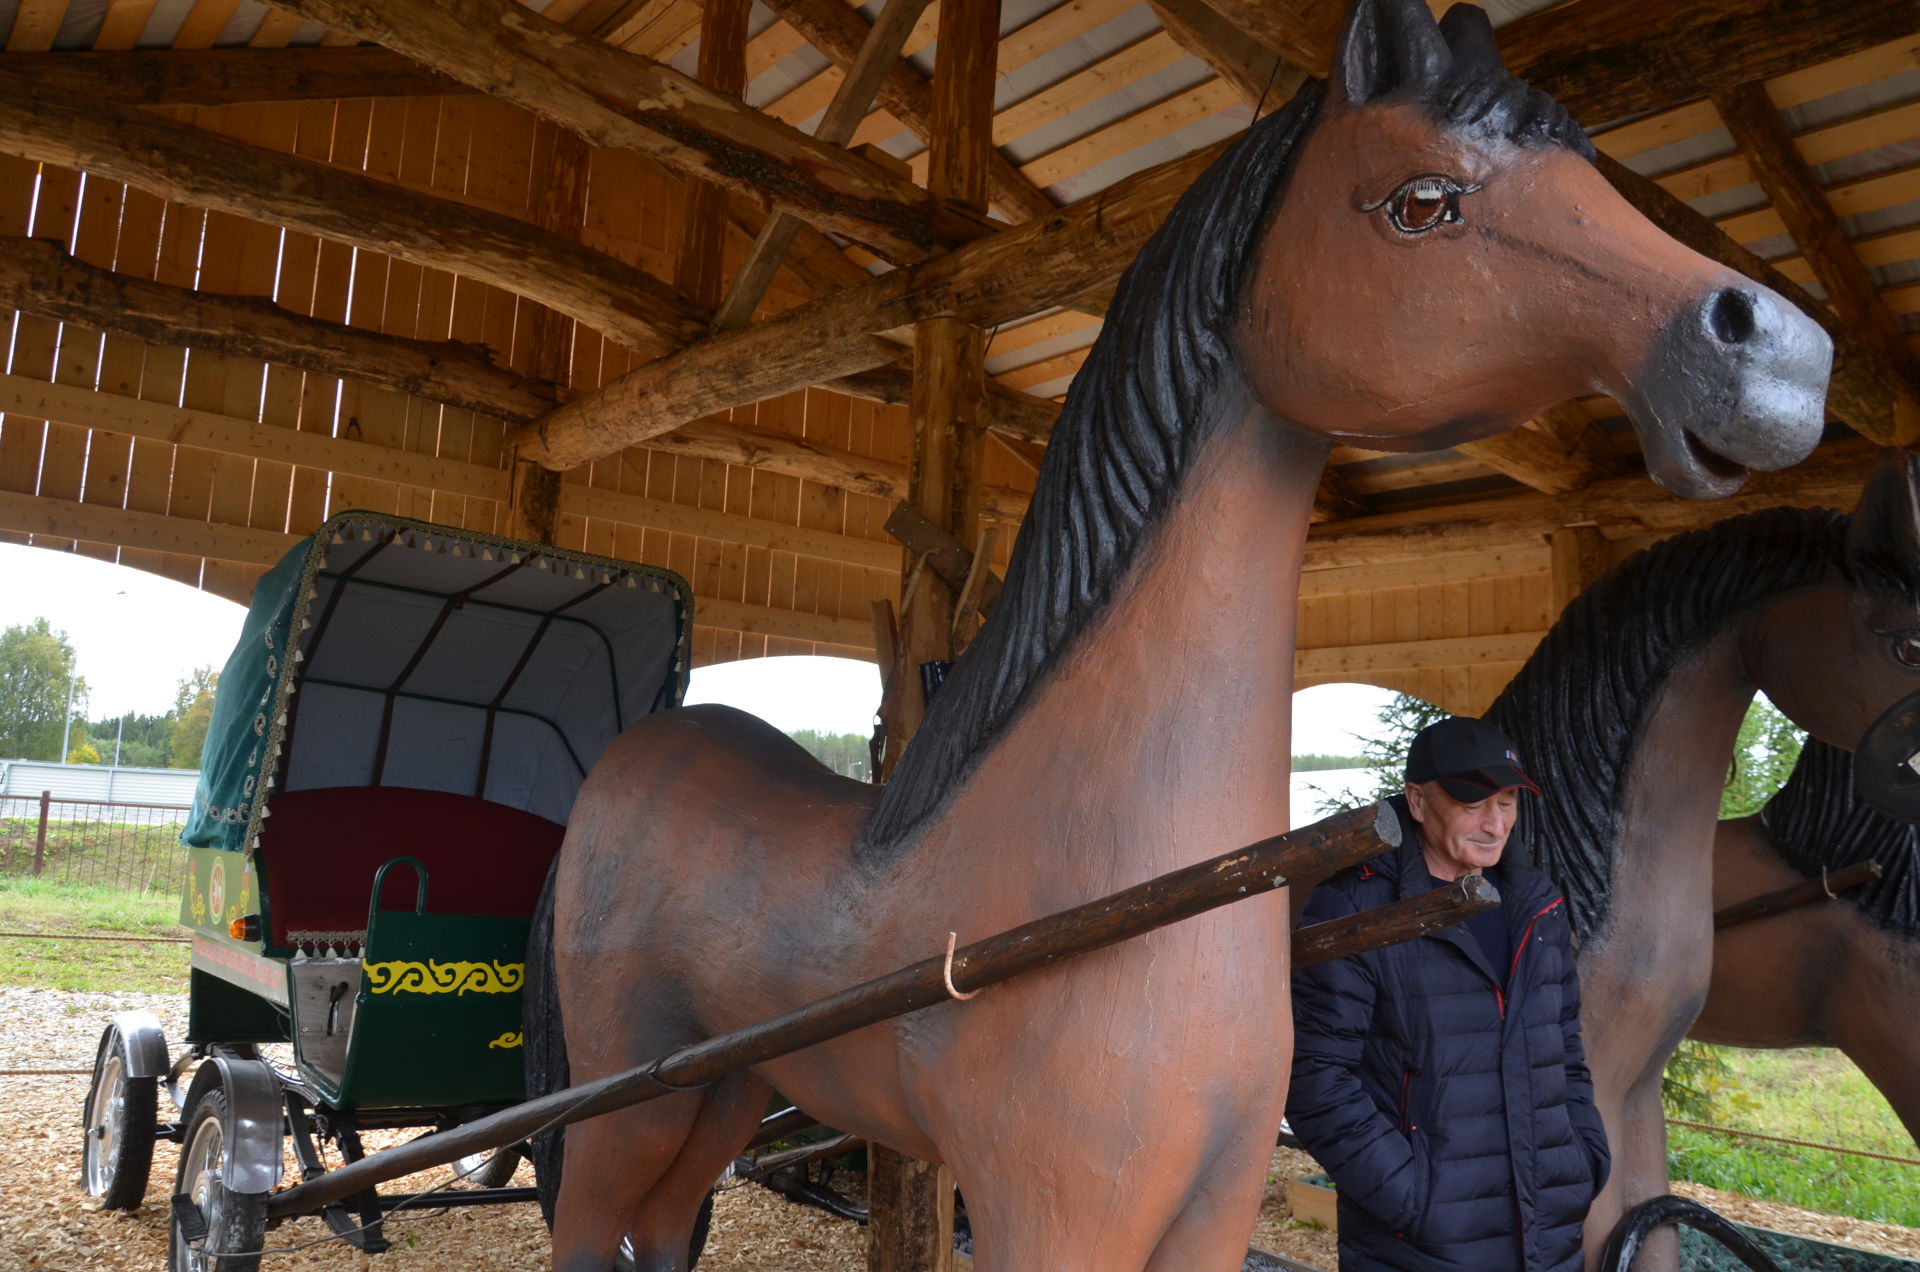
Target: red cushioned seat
column 320, row 849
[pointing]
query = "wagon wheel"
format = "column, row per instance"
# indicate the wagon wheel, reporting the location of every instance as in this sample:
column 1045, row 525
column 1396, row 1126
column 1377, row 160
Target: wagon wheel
column 235, row 1224
column 117, row 1152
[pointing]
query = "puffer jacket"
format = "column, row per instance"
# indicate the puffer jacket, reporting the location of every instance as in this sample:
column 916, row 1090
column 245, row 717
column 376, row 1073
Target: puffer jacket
column 1452, row 1107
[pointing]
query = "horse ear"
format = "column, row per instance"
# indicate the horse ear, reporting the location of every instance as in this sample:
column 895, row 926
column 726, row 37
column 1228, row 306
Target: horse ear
column 1469, row 36
column 1885, row 528
column 1389, row 47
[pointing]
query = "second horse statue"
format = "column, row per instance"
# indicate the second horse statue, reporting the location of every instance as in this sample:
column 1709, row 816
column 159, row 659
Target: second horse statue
column 1418, row 254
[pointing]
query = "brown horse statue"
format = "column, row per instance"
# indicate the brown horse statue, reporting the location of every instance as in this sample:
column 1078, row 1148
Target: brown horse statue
column 1842, row 973
column 1418, row 254
column 1627, row 715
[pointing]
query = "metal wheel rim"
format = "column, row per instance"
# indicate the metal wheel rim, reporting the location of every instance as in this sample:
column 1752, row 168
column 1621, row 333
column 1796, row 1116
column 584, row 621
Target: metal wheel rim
column 107, row 1121
column 202, row 1162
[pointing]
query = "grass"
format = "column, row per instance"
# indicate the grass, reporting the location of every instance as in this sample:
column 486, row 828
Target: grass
column 68, row 910
column 1813, row 1094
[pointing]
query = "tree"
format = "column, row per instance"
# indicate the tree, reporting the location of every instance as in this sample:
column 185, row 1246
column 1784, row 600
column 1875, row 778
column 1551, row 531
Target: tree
column 1763, row 758
column 36, row 679
column 844, row 753
column 192, row 713
column 84, row 753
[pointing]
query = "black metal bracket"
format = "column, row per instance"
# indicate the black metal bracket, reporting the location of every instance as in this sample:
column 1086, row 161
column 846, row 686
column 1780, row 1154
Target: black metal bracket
column 1623, row 1246
column 354, row 1219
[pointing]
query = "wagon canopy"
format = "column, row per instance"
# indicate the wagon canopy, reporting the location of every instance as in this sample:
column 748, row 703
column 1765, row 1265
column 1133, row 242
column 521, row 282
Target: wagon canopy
column 384, row 651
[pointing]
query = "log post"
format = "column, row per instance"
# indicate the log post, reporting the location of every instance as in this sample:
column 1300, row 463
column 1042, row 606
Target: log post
column 560, row 167
column 1578, row 556
column 911, row 1203
column 703, row 221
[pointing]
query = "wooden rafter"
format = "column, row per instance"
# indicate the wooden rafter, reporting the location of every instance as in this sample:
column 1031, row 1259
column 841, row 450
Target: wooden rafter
column 1301, row 31
column 1258, row 74
column 40, row 278
column 629, row 102
column 1757, row 129
column 879, row 52
column 723, row 68
column 837, row 30
column 219, row 77
column 1620, row 506
column 196, row 167
column 1008, row 275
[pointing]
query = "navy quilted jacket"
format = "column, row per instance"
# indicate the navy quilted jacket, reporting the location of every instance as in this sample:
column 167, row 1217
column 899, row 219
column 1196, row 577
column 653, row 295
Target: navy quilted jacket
column 1452, row 1107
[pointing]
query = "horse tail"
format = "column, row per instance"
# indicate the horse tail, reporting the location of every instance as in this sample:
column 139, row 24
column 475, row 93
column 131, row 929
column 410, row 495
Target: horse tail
column 546, row 1044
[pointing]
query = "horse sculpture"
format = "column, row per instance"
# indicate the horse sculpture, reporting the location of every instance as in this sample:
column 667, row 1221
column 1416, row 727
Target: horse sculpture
column 1840, row 974
column 1125, row 711
column 1627, row 715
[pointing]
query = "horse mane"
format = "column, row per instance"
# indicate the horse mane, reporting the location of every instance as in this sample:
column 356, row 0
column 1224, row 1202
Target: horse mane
column 1577, row 707
column 1140, row 407
column 1816, row 823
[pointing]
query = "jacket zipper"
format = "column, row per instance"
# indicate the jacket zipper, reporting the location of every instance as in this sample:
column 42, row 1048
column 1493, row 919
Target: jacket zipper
column 1407, row 1076
column 1525, row 937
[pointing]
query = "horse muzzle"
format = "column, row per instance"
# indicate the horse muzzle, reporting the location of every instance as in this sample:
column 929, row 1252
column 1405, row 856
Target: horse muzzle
column 1886, row 764
column 1736, row 381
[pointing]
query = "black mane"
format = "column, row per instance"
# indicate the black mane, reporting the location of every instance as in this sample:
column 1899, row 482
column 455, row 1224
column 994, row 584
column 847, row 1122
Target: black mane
column 1147, row 396
column 1578, row 705
column 1818, row 824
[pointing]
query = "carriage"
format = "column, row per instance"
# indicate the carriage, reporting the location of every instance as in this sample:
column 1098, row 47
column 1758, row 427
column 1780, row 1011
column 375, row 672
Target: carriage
column 396, row 745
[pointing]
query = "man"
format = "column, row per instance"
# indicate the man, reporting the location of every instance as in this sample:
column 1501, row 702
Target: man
column 1441, row 1081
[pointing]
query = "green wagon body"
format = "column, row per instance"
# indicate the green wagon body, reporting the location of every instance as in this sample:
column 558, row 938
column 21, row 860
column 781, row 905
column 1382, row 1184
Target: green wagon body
column 395, row 748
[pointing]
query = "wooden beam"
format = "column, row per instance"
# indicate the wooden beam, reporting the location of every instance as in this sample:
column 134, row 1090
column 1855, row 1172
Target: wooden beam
column 1303, row 32
column 879, row 52
column 1262, row 77
column 723, row 68
column 1579, row 555
column 1609, row 59
column 788, row 456
column 189, row 165
column 40, row 278
column 230, row 435
column 1349, row 661
column 221, row 77
column 1758, row 130
column 600, row 502
column 1621, row 507
column 1006, row 276
column 761, row 620
column 1476, row 567
column 1533, row 459
column 839, row 31
column 619, row 100
column 1857, row 391
column 561, row 162
column 153, row 531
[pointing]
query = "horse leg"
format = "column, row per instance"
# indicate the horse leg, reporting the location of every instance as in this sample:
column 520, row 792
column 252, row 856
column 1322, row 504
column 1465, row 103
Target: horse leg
column 1212, row 1228
column 1639, row 1173
column 662, row 1225
column 612, row 1165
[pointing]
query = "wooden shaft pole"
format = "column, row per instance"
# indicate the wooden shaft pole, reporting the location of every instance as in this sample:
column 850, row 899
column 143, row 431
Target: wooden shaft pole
column 1312, row 851
column 1806, row 892
column 1386, row 925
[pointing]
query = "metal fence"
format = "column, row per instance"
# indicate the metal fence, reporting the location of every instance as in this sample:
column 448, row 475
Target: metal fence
column 128, row 847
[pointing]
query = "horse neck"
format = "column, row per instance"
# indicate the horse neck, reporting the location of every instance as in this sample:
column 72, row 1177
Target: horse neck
column 1180, row 689
column 1643, row 670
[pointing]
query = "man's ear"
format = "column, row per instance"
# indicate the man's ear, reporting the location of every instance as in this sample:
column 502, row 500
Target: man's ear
column 1416, row 801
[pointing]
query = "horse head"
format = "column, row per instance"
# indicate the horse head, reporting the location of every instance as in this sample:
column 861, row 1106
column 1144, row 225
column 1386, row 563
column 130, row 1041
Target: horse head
column 1841, row 657
column 1447, row 262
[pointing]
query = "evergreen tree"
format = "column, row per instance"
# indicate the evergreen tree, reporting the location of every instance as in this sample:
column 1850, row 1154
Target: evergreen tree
column 844, row 753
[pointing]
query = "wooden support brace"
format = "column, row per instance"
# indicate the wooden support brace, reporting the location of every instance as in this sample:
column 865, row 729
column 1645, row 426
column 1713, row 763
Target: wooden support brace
column 978, row 575
column 945, row 555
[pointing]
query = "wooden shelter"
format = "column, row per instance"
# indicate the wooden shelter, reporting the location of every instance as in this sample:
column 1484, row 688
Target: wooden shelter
column 462, row 260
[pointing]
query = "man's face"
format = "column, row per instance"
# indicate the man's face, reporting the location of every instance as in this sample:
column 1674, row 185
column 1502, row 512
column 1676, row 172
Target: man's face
column 1459, row 838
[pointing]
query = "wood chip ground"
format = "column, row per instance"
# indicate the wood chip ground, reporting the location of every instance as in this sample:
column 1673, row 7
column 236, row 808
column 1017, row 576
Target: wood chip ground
column 47, row 1224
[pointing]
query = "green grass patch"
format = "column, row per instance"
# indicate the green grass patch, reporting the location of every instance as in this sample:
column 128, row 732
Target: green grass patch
column 1813, row 1094
column 68, row 911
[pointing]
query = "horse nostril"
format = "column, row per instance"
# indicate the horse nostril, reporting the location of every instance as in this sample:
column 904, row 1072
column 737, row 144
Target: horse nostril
column 1730, row 317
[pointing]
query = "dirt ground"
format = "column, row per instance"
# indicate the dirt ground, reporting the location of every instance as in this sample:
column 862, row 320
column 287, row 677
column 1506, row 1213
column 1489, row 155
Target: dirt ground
column 47, row 1224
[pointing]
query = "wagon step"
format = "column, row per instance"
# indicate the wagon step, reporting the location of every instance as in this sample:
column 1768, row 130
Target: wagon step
column 1312, row 852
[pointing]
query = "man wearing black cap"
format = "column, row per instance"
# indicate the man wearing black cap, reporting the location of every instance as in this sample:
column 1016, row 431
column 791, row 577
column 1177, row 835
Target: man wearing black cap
column 1442, row 1082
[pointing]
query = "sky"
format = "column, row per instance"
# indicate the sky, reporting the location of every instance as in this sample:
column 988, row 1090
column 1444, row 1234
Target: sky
column 138, row 635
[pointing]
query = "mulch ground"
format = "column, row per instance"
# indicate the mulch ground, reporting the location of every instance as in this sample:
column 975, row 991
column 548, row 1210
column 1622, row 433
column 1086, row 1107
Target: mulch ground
column 48, row 1224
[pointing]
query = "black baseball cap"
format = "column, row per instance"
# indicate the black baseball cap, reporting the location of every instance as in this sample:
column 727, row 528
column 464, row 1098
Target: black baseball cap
column 1469, row 758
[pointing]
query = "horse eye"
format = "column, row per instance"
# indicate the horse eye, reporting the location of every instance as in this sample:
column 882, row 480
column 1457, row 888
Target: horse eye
column 1906, row 648
column 1425, row 203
